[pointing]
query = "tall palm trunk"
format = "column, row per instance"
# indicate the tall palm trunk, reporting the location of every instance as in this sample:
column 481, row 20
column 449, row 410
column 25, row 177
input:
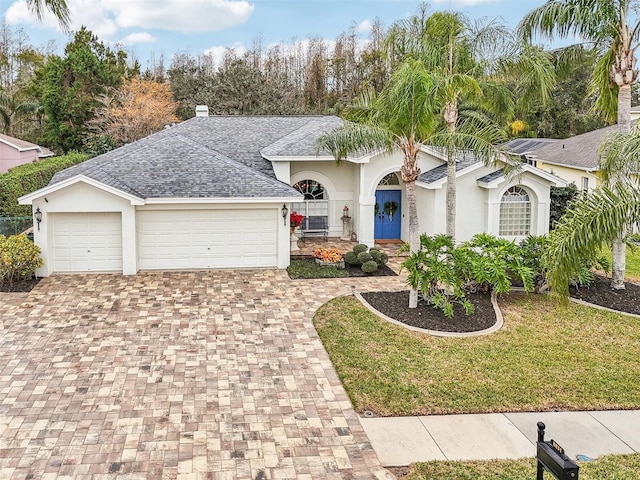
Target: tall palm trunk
column 451, row 194
column 410, row 173
column 414, row 233
column 450, row 119
column 623, row 77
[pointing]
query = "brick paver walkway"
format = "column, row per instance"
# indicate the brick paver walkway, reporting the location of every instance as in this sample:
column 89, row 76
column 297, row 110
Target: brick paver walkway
column 199, row 375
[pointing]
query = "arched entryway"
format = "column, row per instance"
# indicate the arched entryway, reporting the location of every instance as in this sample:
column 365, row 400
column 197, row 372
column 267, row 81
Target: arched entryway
column 388, row 209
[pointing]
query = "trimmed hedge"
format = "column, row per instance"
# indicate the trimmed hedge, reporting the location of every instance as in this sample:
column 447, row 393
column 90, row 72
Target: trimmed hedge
column 30, row 177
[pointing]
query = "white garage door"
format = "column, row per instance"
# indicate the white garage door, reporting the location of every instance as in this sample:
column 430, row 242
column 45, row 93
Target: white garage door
column 86, row 242
column 195, row 239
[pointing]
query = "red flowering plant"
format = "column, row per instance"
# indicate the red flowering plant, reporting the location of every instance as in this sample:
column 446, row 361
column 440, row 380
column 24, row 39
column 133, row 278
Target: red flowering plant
column 295, row 219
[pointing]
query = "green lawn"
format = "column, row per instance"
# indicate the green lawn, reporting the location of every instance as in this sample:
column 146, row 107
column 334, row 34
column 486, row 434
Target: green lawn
column 618, row 467
column 632, row 272
column 546, row 356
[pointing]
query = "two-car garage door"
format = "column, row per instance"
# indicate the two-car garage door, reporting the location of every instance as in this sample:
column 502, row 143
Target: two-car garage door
column 195, row 239
column 166, row 240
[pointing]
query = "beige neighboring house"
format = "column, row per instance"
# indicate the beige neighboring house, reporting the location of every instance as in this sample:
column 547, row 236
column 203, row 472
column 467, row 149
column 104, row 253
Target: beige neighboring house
column 14, row 152
column 574, row 159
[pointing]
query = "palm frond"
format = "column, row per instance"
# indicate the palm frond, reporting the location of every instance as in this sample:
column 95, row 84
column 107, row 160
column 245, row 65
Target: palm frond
column 619, row 156
column 601, row 87
column 588, row 223
column 355, row 137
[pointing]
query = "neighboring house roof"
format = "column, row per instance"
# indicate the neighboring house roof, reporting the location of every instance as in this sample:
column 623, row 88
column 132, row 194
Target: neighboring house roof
column 579, row 152
column 23, row 146
column 217, row 156
column 524, row 146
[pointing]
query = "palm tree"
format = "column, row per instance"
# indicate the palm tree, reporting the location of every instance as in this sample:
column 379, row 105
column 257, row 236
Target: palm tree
column 449, row 46
column 601, row 217
column 58, row 7
column 605, row 24
column 469, row 64
column 12, row 108
column 399, row 117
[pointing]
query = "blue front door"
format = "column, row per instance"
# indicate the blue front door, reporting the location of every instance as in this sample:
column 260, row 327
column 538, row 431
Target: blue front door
column 387, row 214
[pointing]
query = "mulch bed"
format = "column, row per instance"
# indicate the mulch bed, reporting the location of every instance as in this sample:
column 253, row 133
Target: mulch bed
column 355, row 270
column 395, row 305
column 21, row 286
column 601, row 293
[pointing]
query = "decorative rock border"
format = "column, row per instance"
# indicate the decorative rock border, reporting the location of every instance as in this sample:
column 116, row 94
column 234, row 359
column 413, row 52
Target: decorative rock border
column 496, row 326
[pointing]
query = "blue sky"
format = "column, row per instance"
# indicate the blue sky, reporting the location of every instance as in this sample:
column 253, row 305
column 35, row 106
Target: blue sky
column 150, row 28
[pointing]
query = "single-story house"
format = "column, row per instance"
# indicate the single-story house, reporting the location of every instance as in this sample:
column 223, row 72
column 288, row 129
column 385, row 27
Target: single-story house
column 216, row 192
column 14, row 152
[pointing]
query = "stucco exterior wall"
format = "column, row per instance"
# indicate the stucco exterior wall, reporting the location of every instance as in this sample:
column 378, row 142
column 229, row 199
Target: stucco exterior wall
column 341, row 186
column 83, row 198
column 11, row 157
column 539, row 195
column 571, row 175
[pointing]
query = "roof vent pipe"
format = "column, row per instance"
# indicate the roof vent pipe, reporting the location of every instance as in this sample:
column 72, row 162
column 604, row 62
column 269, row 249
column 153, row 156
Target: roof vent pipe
column 202, row 111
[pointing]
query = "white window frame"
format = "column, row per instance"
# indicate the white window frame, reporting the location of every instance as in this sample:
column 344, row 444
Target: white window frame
column 515, row 213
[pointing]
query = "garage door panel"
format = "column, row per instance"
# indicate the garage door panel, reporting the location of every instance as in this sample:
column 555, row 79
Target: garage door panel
column 86, row 242
column 192, row 239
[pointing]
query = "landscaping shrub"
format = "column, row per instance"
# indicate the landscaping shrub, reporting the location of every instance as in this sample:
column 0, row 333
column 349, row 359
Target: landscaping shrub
column 560, row 198
column 490, row 264
column 30, row 177
column 435, row 271
column 19, row 258
column 362, row 255
column 369, row 267
column 445, row 273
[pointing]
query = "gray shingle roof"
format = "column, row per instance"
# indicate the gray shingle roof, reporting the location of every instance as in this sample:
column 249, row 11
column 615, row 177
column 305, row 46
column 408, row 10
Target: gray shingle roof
column 521, row 146
column 440, row 172
column 217, row 156
column 490, row 177
column 302, row 142
column 580, row 151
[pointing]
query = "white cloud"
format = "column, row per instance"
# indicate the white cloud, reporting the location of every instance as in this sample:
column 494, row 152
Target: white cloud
column 141, row 37
column 106, row 17
column 217, row 52
column 178, row 15
column 364, row 26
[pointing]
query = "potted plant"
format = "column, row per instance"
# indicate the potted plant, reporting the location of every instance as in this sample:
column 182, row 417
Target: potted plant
column 295, row 220
column 329, row 256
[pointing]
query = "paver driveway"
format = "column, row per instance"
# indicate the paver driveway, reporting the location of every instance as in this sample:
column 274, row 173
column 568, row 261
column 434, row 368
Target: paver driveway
column 216, row 375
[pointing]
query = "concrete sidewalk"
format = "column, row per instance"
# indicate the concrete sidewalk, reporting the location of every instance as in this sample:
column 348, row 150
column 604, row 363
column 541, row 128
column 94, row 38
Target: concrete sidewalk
column 399, row 441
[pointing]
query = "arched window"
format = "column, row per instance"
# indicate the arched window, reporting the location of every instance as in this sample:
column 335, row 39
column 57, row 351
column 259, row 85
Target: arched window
column 515, row 213
column 311, row 189
column 315, row 207
column 391, row 179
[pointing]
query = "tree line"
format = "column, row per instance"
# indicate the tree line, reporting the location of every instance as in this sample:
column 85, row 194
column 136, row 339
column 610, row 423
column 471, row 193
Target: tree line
column 92, row 98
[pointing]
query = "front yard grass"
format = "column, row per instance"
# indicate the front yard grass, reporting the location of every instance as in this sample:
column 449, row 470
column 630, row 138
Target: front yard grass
column 547, row 356
column 620, row 467
column 632, row 271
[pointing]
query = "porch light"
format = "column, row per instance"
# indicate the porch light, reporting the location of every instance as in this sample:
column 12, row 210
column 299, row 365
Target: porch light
column 285, row 210
column 38, row 216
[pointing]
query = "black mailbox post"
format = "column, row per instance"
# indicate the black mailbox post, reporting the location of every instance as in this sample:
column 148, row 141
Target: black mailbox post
column 551, row 458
